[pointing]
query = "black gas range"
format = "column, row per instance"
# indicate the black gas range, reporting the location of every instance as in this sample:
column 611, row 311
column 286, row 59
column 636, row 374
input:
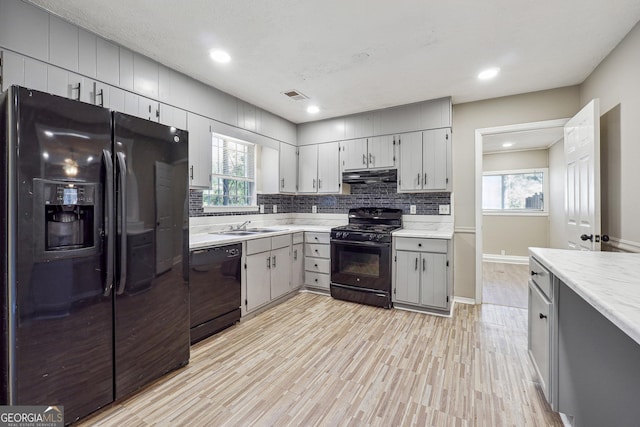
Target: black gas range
column 361, row 256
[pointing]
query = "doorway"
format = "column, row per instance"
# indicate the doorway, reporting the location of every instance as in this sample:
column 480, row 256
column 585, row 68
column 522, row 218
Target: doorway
column 524, row 134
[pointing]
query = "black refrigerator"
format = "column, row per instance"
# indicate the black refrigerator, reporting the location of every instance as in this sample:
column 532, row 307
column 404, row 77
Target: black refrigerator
column 94, row 231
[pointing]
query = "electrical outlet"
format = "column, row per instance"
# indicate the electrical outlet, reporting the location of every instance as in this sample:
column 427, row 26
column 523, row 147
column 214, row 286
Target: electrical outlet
column 412, row 209
column 261, row 208
column 314, row 209
column 443, row 209
column 275, row 208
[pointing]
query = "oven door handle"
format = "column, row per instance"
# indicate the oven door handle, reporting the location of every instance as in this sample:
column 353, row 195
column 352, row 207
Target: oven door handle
column 368, row 244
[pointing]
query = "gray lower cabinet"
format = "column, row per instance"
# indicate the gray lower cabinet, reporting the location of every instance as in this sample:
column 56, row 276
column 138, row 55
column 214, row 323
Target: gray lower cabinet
column 422, row 274
column 297, row 261
column 268, row 270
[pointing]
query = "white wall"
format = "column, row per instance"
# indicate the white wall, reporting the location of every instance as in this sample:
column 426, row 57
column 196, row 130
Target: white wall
column 616, row 81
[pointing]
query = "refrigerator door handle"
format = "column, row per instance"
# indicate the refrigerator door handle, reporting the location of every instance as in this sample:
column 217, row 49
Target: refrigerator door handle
column 122, row 172
column 109, row 221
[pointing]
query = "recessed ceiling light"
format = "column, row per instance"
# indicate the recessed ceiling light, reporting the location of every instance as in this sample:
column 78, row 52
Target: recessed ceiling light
column 313, row 109
column 489, row 73
column 507, row 144
column 220, row 56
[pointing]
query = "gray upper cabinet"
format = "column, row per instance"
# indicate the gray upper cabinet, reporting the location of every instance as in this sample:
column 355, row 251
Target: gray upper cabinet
column 63, row 44
column 368, row 153
column 25, row 29
column 145, row 76
column 425, row 161
column 288, row 168
column 321, row 131
column 107, row 62
column 412, row 117
column 87, row 53
column 23, row 71
column 358, row 126
column 126, row 69
column 248, row 116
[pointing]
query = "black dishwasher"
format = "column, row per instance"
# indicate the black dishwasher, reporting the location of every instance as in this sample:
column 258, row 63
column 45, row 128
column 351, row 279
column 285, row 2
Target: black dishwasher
column 214, row 282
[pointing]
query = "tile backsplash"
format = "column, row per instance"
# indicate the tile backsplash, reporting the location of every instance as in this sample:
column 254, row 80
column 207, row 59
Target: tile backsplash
column 384, row 195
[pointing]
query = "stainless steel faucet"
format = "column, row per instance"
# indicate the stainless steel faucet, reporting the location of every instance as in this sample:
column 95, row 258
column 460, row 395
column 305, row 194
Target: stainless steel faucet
column 242, row 226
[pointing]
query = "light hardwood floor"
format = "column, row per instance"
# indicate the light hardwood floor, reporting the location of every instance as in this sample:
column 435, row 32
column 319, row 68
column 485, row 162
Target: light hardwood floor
column 314, row 360
column 505, row 284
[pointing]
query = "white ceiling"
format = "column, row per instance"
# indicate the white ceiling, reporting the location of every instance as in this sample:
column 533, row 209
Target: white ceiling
column 351, row 56
column 521, row 141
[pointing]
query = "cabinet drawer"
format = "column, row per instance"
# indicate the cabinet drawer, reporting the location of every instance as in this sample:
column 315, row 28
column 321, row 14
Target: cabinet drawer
column 310, row 237
column 421, row 245
column 317, row 265
column 541, row 277
column 318, row 251
column 256, row 246
column 298, row 237
column 283, row 241
column 318, row 280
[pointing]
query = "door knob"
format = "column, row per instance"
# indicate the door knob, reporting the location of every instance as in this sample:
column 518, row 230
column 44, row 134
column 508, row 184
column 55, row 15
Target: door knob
column 585, row 237
column 605, row 238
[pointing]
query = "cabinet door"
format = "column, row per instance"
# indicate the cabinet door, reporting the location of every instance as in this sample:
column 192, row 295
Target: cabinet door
column 12, row 69
column 539, row 335
column 116, row 99
column 410, row 165
column 148, row 109
column 131, row 106
column 433, row 289
column 63, row 43
column 258, row 280
column 280, row 272
column 199, row 151
column 354, row 154
column 269, row 175
column 407, row 287
column 308, row 167
column 288, row 168
column 107, row 62
column 87, row 53
column 101, row 95
column 381, row 152
column 329, row 168
column 297, row 266
column 57, row 81
column 435, row 159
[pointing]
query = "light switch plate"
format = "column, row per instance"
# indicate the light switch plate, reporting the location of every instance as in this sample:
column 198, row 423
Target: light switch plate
column 443, row 210
column 275, row 208
column 314, row 209
column 261, row 208
column 412, row 209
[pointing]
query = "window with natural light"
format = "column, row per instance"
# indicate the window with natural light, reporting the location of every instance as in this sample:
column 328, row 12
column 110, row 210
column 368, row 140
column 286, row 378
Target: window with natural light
column 521, row 191
column 232, row 175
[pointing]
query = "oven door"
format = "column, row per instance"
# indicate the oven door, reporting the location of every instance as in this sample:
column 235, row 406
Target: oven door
column 361, row 264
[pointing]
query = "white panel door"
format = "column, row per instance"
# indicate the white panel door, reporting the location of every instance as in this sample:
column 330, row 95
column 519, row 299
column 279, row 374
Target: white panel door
column 582, row 159
column 329, row 168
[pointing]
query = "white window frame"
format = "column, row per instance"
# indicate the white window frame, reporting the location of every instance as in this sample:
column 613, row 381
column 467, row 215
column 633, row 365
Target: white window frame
column 240, row 208
column 522, row 212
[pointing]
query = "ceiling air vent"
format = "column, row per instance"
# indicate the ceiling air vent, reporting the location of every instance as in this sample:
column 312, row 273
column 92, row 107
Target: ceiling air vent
column 295, row 95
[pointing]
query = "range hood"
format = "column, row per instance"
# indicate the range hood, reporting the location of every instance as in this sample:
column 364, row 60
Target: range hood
column 370, row 176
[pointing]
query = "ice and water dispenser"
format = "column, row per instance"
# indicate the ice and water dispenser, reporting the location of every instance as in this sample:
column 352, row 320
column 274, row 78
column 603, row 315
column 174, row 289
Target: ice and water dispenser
column 67, row 218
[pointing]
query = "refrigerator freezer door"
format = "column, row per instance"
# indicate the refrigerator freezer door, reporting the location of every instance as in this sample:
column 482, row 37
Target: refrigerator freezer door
column 59, row 321
column 151, row 305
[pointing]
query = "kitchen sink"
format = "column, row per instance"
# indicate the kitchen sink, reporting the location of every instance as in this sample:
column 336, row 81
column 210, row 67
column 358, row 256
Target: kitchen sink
column 249, row 231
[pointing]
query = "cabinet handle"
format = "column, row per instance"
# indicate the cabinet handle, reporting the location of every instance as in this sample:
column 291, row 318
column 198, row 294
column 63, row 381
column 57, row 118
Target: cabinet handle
column 295, row 254
column 316, row 280
column 316, row 251
column 364, row 159
column 268, row 262
column 101, row 95
column 319, row 183
column 315, row 237
column 534, row 273
column 78, row 89
column 424, row 182
column 314, row 184
column 315, row 265
column 424, row 265
column 191, row 173
column 282, row 185
column 274, row 262
column 542, row 316
column 370, row 159
column 416, row 264
column 418, row 178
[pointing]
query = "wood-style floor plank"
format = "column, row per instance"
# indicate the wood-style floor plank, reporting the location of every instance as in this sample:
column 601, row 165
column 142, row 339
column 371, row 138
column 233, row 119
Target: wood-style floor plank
column 314, row 360
column 505, row 284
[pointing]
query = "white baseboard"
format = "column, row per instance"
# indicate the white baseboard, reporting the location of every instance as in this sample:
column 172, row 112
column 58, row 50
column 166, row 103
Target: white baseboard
column 464, row 300
column 623, row 245
column 505, row 259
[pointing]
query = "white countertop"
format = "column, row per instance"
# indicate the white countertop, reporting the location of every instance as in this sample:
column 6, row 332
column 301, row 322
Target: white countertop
column 609, row 281
column 435, row 231
column 203, row 240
